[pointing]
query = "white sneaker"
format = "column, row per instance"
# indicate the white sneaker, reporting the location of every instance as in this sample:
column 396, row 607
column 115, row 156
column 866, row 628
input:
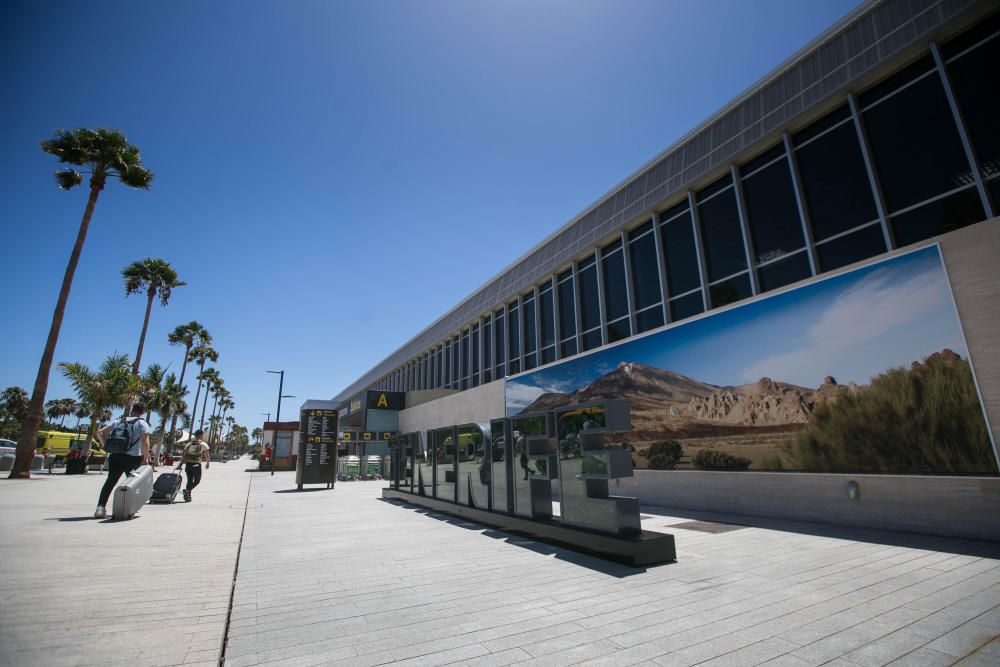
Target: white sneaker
column 99, row 513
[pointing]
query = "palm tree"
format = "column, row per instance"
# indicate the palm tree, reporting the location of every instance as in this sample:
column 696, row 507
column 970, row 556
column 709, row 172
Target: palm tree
column 58, row 408
column 213, row 383
column 257, row 434
column 151, row 381
column 112, row 386
column 221, row 396
column 103, row 153
column 186, row 335
column 200, row 354
column 80, row 412
column 13, row 410
column 224, row 406
column 156, row 278
column 168, row 400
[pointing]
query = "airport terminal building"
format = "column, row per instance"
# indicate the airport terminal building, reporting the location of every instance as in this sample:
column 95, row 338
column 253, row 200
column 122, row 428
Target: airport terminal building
column 803, row 293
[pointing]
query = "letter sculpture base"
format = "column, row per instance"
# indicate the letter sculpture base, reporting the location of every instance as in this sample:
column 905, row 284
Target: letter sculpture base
column 647, row 548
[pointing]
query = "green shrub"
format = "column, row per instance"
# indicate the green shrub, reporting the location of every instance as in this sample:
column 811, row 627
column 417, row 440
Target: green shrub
column 664, row 455
column 926, row 420
column 713, row 459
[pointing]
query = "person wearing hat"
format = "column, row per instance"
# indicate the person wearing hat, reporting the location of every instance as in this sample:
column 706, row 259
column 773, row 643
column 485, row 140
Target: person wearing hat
column 194, row 452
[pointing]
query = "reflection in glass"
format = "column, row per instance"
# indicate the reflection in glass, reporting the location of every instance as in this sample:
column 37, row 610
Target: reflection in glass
column 730, row 291
column 938, row 217
column 473, row 467
column 721, row 236
column 423, row 469
column 500, row 459
column 853, row 247
column 772, row 213
column 443, row 450
column 523, row 427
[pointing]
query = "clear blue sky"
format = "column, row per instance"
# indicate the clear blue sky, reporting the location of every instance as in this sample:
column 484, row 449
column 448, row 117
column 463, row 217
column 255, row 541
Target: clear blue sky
column 330, row 176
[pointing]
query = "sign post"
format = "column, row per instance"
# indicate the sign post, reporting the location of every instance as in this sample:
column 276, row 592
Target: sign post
column 317, row 457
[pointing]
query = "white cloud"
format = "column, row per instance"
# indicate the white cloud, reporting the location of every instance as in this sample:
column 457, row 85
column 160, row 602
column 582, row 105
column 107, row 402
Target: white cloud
column 521, row 395
column 862, row 314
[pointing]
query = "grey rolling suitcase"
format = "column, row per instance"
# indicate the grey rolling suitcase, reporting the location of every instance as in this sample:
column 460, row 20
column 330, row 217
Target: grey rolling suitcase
column 133, row 493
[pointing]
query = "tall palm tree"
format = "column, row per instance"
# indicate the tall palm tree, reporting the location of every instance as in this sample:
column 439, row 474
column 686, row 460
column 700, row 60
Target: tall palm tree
column 200, row 355
column 102, row 153
column 224, row 406
column 186, row 335
column 111, row 386
column 156, row 278
column 221, row 395
column 257, row 434
column 213, row 383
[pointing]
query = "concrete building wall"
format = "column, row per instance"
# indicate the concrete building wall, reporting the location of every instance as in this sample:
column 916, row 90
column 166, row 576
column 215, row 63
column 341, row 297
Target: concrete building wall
column 952, row 506
column 479, row 404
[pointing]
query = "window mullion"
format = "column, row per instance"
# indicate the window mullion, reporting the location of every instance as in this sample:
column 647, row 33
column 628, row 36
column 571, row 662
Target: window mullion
column 883, row 217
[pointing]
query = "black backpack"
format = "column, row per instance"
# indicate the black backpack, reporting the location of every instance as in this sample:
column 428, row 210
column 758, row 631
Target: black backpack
column 119, row 440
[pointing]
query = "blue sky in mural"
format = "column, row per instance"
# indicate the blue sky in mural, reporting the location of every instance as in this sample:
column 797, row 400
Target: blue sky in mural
column 852, row 326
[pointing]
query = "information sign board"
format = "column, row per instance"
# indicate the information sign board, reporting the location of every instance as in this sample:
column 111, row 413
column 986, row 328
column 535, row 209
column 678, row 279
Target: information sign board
column 317, row 456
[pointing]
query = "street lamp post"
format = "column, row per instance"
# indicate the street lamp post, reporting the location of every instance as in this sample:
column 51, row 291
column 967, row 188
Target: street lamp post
column 277, row 417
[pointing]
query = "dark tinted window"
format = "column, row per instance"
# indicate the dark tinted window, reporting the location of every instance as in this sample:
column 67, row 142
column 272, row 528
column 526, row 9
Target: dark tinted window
column 835, row 183
column 567, row 348
column 645, row 273
column 772, row 214
column 729, row 291
column 851, row 248
column 721, row 236
column 592, row 339
column 783, row 272
column 549, row 355
column 762, row 159
column 618, row 330
column 547, row 325
column 528, row 313
column 824, row 123
column 680, row 256
column 915, row 145
column 590, row 314
column 615, row 298
column 567, row 319
column 897, row 80
column 944, row 215
column 649, row 319
column 498, row 343
column 994, row 188
column 513, row 347
column 717, row 186
column 974, row 77
column 487, row 350
column 686, row 306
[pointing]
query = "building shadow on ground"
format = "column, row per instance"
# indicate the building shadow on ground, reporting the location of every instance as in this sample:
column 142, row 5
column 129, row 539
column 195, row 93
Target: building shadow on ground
column 727, row 521
column 610, row 568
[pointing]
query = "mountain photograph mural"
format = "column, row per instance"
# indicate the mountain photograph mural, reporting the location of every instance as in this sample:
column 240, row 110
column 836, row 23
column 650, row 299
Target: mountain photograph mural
column 864, row 372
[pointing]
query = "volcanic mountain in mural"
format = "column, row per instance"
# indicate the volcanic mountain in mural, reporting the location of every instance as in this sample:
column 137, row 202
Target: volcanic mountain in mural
column 663, row 401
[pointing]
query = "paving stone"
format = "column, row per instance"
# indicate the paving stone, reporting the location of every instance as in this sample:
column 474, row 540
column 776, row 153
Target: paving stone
column 341, row 577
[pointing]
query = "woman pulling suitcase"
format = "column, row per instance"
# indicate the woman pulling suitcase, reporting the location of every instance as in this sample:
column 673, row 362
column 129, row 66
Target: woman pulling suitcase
column 194, row 452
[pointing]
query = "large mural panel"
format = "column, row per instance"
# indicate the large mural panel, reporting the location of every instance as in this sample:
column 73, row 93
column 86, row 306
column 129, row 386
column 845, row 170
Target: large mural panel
column 863, row 372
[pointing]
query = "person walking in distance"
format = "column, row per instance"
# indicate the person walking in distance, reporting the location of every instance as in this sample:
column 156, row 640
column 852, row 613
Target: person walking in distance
column 127, row 443
column 194, row 452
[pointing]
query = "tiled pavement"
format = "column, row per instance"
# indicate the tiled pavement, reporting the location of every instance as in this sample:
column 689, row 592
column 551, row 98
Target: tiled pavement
column 342, row 577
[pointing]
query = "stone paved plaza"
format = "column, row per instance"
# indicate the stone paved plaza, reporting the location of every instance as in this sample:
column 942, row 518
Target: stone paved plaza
column 343, row 577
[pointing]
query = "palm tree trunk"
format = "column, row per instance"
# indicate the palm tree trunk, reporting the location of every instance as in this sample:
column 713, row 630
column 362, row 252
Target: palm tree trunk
column 145, row 325
column 173, row 419
column 194, row 406
column 29, row 430
column 211, row 424
column 204, row 406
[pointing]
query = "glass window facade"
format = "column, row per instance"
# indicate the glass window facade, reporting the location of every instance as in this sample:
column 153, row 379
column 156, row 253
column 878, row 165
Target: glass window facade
column 901, row 144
